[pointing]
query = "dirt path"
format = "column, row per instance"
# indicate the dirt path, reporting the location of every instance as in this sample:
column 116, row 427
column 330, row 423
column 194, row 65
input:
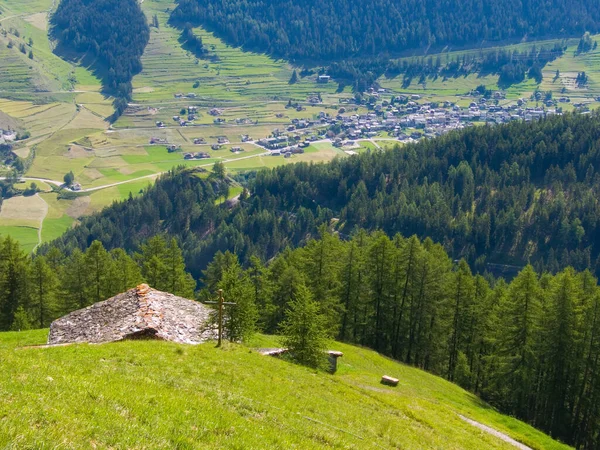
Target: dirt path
column 41, row 222
column 496, row 433
column 154, row 175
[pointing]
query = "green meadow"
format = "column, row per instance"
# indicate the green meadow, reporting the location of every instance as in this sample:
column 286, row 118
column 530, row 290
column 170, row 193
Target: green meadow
column 159, row 395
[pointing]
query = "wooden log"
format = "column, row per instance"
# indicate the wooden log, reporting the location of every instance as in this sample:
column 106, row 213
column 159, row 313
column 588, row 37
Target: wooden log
column 389, row 381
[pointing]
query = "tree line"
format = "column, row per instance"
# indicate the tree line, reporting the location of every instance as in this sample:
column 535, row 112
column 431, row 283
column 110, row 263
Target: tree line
column 36, row 290
column 337, row 29
column 115, row 34
column 497, row 196
column 511, row 66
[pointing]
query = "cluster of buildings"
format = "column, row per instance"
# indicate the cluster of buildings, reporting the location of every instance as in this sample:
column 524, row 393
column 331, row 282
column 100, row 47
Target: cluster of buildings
column 197, row 155
column 7, row 136
column 409, row 119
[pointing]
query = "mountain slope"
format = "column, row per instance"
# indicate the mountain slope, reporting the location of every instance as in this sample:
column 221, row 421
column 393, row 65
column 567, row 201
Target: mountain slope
column 501, row 195
column 150, row 394
column 335, row 29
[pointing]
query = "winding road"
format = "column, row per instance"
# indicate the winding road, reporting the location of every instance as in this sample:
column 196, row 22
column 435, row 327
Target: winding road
column 104, row 186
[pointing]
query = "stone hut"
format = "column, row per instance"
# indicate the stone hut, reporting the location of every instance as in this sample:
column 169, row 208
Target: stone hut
column 140, row 313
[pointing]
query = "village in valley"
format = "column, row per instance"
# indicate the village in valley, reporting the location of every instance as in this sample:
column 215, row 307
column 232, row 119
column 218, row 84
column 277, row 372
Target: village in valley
column 378, row 117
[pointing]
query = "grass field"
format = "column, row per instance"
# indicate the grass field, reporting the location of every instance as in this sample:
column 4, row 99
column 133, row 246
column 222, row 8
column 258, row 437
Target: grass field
column 26, row 236
column 151, row 394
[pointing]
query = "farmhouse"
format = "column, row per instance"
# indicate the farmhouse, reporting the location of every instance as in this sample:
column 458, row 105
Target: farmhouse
column 141, row 312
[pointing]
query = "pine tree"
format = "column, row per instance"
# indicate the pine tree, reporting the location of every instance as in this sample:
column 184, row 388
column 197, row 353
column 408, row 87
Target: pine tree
column 294, row 78
column 13, row 281
column 240, row 319
column 177, row 280
column 321, row 266
column 22, row 321
column 563, row 338
column 262, row 290
column 126, row 273
column 213, row 274
column 461, row 297
column 303, row 330
column 98, row 267
column 43, row 284
column 152, row 260
column 74, row 283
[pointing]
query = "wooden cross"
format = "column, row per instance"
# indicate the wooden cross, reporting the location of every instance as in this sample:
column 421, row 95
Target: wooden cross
column 221, row 303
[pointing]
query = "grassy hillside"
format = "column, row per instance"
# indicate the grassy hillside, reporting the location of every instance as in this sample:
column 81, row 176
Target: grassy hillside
column 150, row 394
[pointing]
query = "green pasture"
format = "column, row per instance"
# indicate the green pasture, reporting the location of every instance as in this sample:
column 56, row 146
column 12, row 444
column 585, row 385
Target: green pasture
column 162, row 395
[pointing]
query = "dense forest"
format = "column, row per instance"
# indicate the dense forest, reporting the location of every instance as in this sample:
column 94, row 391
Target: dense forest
column 498, row 196
column 530, row 347
column 337, row 29
column 114, row 32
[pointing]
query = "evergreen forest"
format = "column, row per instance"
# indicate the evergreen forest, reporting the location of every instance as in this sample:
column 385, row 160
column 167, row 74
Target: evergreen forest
column 530, row 347
column 112, row 34
column 336, row 29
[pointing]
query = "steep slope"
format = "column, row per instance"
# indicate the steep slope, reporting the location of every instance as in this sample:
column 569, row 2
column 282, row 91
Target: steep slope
column 149, row 394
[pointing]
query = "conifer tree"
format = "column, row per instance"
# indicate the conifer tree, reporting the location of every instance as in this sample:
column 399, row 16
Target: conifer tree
column 74, row 283
column 461, row 296
column 152, row 259
column 241, row 318
column 126, row 273
column 98, row 267
column 22, row 321
column 177, row 280
column 43, row 284
column 303, row 329
column 13, row 281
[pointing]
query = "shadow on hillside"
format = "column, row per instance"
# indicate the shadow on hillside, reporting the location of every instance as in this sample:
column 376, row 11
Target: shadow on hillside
column 95, row 66
column 88, row 61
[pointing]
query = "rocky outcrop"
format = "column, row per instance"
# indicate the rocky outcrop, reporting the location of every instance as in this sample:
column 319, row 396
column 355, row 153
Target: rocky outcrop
column 139, row 313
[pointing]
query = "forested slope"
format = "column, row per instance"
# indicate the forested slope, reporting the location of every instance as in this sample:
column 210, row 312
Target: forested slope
column 507, row 195
column 530, row 347
column 335, row 29
column 115, row 32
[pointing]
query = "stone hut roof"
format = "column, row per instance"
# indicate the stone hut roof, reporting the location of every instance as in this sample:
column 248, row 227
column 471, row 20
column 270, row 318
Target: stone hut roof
column 141, row 312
